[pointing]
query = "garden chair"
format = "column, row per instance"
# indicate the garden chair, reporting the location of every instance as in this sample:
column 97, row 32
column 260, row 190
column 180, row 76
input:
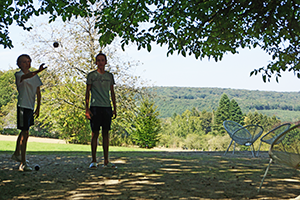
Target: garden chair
column 243, row 135
column 286, row 152
column 273, row 134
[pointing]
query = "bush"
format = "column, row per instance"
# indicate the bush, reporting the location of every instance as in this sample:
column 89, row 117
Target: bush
column 218, row 143
column 207, row 142
column 193, row 141
column 169, row 141
column 40, row 132
column 10, row 131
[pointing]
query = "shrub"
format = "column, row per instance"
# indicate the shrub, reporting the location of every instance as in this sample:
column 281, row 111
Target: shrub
column 170, row 141
column 193, row 141
column 10, row 131
column 218, row 143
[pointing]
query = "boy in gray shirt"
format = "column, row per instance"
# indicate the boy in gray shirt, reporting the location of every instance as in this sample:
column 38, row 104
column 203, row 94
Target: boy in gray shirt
column 100, row 83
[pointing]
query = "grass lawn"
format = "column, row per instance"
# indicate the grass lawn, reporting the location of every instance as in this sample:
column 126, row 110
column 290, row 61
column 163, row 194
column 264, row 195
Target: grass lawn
column 142, row 174
column 50, row 148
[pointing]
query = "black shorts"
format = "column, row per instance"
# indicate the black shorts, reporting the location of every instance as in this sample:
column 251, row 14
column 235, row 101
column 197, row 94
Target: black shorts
column 25, row 118
column 101, row 117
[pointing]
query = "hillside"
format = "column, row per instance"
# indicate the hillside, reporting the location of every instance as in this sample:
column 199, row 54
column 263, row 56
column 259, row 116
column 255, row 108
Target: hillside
column 170, row 100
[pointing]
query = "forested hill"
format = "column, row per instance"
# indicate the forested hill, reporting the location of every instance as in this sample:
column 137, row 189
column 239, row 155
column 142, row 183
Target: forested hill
column 170, row 100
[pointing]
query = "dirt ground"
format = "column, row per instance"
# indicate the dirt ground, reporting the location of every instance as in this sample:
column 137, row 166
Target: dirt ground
column 148, row 175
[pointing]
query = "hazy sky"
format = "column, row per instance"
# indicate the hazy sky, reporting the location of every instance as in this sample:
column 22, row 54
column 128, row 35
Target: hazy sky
column 232, row 72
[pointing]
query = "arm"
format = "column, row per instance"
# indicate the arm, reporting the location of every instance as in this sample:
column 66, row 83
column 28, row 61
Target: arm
column 31, row 74
column 88, row 113
column 113, row 98
column 38, row 105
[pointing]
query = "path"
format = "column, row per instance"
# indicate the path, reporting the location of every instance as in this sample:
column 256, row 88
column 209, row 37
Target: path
column 32, row 139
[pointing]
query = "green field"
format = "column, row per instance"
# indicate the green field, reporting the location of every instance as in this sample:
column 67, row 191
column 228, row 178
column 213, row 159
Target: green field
column 50, row 148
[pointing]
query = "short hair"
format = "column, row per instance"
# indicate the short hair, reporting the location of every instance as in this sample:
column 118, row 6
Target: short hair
column 21, row 56
column 101, row 54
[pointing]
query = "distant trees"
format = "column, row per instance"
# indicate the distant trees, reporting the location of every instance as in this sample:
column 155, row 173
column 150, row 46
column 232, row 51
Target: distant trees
column 195, row 129
column 170, row 100
column 181, row 125
column 206, row 119
column 257, row 118
column 186, row 130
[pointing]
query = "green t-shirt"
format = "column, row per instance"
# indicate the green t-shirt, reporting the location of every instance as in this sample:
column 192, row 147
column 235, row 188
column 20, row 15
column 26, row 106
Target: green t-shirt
column 100, row 87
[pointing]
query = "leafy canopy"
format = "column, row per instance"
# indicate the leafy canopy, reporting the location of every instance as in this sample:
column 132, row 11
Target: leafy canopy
column 203, row 28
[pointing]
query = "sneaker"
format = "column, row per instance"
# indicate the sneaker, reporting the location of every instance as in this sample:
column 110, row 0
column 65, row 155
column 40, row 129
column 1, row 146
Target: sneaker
column 17, row 158
column 93, row 165
column 25, row 167
column 110, row 165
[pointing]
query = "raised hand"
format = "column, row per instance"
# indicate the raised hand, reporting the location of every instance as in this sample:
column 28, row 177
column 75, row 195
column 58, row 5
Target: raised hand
column 42, row 67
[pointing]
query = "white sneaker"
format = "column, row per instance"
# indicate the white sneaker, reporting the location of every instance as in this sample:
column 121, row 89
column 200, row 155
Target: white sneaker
column 17, row 158
column 93, row 165
column 110, row 165
column 25, row 167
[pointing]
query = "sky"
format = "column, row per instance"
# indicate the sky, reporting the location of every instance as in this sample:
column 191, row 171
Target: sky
column 233, row 71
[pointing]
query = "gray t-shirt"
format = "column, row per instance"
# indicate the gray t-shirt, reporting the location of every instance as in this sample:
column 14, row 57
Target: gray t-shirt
column 27, row 90
column 100, row 87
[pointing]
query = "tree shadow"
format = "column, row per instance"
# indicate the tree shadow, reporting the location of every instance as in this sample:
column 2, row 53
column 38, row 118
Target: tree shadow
column 147, row 175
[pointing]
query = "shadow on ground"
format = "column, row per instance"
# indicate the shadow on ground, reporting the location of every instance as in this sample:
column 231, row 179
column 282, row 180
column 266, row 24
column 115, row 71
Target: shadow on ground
column 148, row 175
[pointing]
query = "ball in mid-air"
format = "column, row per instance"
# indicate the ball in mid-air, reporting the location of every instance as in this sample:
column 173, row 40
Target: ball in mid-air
column 37, row 167
column 55, row 44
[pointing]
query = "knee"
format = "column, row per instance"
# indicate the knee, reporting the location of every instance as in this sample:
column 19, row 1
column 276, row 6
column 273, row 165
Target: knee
column 25, row 134
column 95, row 135
column 104, row 133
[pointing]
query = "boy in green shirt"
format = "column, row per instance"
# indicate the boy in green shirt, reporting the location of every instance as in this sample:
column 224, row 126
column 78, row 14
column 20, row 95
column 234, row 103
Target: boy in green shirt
column 100, row 83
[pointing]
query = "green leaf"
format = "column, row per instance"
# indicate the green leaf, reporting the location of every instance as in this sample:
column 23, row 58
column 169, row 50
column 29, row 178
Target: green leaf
column 264, row 78
column 183, row 53
column 148, row 47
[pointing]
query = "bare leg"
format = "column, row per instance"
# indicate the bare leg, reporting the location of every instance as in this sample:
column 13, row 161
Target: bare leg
column 105, row 143
column 18, row 150
column 23, row 145
column 94, row 145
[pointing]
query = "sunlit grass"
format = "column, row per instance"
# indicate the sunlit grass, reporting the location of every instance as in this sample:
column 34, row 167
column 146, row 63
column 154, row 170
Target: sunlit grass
column 36, row 147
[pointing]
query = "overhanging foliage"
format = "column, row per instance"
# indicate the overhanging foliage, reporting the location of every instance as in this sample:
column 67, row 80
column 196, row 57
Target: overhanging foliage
column 203, row 28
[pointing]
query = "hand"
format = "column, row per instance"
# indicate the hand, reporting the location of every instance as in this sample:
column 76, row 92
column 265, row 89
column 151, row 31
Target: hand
column 114, row 114
column 36, row 114
column 42, row 67
column 88, row 114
